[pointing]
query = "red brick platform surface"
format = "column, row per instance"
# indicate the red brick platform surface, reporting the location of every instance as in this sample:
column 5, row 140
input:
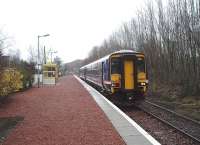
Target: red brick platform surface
column 64, row 114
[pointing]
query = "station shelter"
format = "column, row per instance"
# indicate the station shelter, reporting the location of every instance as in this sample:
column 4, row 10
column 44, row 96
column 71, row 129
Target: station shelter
column 50, row 74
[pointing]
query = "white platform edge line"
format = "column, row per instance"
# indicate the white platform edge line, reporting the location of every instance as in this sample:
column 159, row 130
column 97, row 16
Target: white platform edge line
column 132, row 122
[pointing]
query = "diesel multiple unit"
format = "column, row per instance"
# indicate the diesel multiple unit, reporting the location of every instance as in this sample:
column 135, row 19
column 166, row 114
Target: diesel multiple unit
column 122, row 74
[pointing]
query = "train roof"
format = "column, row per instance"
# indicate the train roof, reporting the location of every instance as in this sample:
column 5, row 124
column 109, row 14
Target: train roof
column 124, row 51
column 107, row 56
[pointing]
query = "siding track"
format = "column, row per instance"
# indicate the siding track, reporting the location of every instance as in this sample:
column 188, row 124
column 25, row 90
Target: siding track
column 181, row 123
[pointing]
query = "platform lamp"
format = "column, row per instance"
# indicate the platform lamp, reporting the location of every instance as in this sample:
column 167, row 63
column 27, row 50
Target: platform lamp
column 38, row 72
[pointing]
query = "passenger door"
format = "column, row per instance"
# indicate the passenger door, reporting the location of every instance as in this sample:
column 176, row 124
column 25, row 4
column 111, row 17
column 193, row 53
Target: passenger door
column 128, row 74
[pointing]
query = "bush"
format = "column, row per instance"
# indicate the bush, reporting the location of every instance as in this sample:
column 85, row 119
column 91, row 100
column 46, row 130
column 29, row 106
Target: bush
column 11, row 81
column 27, row 70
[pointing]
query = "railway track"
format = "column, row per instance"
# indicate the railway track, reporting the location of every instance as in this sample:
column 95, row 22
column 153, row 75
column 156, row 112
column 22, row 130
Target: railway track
column 181, row 123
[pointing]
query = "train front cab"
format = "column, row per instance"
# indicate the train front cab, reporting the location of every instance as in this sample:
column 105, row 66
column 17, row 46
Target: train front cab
column 128, row 76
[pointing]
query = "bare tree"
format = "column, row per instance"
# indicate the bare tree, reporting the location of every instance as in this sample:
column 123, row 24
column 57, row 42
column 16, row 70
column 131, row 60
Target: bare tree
column 169, row 37
column 32, row 54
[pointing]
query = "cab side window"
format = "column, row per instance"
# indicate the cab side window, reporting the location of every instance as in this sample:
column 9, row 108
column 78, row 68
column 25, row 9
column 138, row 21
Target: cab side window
column 140, row 65
column 115, row 66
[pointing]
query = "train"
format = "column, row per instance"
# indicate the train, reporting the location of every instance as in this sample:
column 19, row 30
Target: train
column 122, row 74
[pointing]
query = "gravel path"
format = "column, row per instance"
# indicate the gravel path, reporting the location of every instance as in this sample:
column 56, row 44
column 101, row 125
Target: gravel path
column 64, row 114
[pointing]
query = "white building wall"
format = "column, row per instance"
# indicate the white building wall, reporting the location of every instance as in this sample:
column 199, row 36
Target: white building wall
column 36, row 79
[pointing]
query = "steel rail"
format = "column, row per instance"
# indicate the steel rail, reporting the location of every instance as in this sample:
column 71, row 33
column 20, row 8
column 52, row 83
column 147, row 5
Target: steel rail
column 173, row 112
column 167, row 122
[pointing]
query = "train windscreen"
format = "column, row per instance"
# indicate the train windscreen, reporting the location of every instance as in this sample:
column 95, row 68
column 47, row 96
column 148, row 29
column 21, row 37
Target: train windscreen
column 115, row 66
column 140, row 65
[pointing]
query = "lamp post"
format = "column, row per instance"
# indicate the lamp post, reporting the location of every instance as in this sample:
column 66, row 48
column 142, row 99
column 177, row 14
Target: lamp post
column 38, row 72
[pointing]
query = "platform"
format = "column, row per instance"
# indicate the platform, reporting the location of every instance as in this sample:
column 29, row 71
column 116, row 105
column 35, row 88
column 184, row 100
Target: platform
column 67, row 114
column 128, row 129
column 61, row 114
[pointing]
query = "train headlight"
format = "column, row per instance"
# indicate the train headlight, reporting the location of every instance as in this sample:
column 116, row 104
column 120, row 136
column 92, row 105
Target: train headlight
column 130, row 98
column 142, row 83
column 116, row 84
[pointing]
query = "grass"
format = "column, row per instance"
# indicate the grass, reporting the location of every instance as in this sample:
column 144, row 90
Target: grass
column 172, row 98
column 188, row 106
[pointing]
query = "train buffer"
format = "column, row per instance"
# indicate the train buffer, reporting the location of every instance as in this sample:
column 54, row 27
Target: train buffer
column 70, row 112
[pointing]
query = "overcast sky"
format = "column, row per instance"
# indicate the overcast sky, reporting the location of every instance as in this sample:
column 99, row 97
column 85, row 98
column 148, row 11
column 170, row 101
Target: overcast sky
column 75, row 26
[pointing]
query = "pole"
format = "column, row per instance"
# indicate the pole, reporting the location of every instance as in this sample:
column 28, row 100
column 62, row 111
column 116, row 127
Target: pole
column 38, row 72
column 45, row 61
column 38, row 62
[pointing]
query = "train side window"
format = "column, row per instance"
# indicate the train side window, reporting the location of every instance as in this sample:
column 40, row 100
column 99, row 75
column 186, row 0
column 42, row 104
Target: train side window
column 140, row 65
column 115, row 66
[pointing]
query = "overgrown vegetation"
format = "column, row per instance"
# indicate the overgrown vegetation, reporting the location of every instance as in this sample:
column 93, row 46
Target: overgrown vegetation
column 15, row 74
